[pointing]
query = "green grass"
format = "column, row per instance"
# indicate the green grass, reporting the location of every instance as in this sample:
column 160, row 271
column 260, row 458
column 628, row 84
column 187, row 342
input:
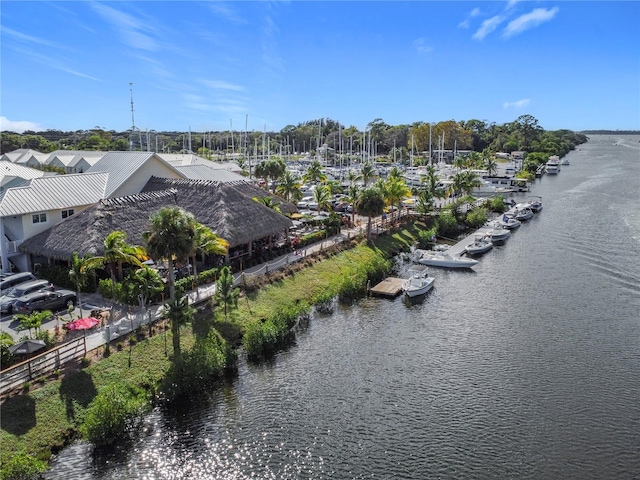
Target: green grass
column 45, row 419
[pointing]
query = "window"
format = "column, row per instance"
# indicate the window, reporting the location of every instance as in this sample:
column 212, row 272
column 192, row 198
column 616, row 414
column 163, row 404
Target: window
column 39, row 218
column 67, row 213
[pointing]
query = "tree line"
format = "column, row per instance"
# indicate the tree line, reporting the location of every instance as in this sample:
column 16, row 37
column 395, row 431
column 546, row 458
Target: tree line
column 378, row 138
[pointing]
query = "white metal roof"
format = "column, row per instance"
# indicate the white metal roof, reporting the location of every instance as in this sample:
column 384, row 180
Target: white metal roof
column 13, row 170
column 54, row 192
column 122, row 165
column 205, row 172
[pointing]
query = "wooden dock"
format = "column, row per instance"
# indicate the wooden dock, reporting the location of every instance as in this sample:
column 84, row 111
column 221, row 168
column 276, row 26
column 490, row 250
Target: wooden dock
column 389, row 287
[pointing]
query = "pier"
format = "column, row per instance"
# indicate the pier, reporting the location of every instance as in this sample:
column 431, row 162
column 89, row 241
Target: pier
column 389, row 287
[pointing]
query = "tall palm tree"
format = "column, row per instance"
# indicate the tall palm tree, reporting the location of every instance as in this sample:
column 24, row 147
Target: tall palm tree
column 395, row 191
column 367, row 173
column 490, row 165
column 289, row 187
column 314, row 173
column 179, row 312
column 322, row 196
column 206, row 241
column 116, row 252
column 225, row 293
column 78, row 276
column 369, row 204
column 353, row 192
column 171, row 237
column 353, row 177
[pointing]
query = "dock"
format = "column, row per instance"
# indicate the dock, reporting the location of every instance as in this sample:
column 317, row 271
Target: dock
column 460, row 247
column 389, row 287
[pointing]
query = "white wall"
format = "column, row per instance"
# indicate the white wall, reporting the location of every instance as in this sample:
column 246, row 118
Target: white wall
column 136, row 182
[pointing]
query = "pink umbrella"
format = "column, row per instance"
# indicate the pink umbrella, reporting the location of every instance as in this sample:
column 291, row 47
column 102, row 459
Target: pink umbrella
column 83, row 323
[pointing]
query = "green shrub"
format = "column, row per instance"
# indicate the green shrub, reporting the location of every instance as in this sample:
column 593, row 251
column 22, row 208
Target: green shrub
column 59, row 276
column 20, row 465
column 496, row 204
column 447, row 224
column 426, row 237
column 113, row 415
column 477, row 217
column 196, row 371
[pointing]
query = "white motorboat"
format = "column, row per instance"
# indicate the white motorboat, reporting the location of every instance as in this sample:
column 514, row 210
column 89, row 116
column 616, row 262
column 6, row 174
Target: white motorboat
column 535, row 204
column 417, row 284
column 522, row 212
column 565, row 161
column 443, row 259
column 499, row 235
column 509, row 222
column 479, row 246
column 553, row 165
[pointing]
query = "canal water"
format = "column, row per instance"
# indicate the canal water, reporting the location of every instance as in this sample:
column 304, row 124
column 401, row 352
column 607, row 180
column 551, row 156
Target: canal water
column 527, row 367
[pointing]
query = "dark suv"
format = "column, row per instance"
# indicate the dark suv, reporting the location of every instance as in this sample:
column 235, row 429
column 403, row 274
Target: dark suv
column 45, row 300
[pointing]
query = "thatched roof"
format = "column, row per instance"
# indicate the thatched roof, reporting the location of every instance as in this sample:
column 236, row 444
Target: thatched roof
column 251, row 190
column 226, row 208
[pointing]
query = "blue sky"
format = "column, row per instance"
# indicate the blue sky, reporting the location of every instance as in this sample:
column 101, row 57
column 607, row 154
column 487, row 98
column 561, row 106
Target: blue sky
column 207, row 65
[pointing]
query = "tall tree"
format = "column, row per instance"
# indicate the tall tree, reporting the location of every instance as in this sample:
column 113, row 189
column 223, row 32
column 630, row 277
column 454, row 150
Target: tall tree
column 226, row 293
column 289, row 187
column 367, row 173
column 171, row 237
column 206, row 241
column 314, row 173
column 179, row 312
column 369, row 204
column 116, row 252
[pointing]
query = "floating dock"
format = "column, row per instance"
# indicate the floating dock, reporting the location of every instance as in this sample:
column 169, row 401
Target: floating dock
column 389, row 287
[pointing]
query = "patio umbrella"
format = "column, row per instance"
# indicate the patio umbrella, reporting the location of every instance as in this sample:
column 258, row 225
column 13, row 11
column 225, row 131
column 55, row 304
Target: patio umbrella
column 27, row 346
column 83, row 323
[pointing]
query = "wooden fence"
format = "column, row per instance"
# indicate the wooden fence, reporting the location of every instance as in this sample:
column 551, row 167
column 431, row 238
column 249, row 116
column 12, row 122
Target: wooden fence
column 41, row 365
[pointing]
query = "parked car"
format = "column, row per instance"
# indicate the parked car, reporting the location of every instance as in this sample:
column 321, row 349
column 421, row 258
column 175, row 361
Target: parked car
column 6, row 301
column 10, row 281
column 45, row 300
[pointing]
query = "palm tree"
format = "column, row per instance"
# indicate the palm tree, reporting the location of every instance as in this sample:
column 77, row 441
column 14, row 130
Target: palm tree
column 369, row 204
column 491, row 166
column 147, row 282
column 116, row 252
column 289, row 187
column 271, row 170
column 395, row 191
column 314, row 173
column 78, row 276
column 353, row 177
column 269, row 202
column 179, row 312
column 367, row 173
column 226, row 294
column 353, row 192
column 322, row 196
column 171, row 237
column 33, row 320
column 206, row 241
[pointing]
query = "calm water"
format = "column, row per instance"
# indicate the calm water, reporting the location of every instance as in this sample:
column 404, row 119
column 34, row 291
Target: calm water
column 527, row 367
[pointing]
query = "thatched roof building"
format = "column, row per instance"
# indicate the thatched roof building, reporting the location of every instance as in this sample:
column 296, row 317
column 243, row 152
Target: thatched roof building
column 226, row 208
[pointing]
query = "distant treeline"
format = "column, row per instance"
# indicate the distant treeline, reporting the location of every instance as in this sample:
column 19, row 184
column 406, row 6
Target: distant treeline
column 379, row 138
column 611, row 132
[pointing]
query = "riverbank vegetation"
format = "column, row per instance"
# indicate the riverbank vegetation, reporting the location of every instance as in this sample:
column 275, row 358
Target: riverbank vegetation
column 45, row 417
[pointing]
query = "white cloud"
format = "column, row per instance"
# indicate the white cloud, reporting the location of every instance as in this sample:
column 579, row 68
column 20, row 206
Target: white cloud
column 488, row 26
column 226, row 12
column 222, row 85
column 517, row 104
column 27, row 38
column 129, row 26
column 421, row 46
column 466, row 23
column 19, row 126
column 529, row 20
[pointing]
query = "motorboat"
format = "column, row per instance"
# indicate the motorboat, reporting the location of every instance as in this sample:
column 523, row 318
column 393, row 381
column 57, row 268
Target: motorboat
column 443, row 259
column 499, row 235
column 565, row 161
column 535, row 204
column 479, row 246
column 553, row 165
column 522, row 212
column 417, row 284
column 509, row 223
